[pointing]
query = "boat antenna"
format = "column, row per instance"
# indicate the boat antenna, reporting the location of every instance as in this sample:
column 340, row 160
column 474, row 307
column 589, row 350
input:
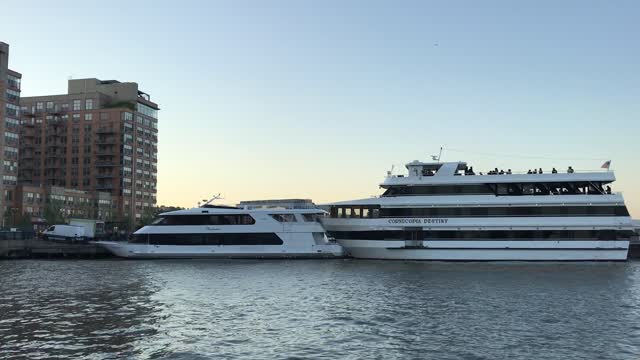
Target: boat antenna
column 214, row 198
column 390, row 171
column 437, row 158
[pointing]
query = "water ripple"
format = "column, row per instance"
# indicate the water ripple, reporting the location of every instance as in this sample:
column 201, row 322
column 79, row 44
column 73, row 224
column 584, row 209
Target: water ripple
column 318, row 309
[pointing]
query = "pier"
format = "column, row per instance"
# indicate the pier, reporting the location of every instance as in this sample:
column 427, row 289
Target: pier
column 20, row 247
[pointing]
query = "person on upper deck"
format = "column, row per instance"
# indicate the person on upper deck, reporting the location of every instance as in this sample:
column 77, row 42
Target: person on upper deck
column 570, row 170
column 608, row 190
column 471, row 171
column 509, row 172
column 535, row 171
column 540, row 171
column 529, row 172
column 554, row 171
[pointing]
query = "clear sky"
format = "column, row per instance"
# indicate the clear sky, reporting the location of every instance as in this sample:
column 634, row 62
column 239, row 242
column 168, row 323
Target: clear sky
column 317, row 99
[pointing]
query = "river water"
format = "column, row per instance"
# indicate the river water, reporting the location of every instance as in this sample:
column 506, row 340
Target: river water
column 347, row 309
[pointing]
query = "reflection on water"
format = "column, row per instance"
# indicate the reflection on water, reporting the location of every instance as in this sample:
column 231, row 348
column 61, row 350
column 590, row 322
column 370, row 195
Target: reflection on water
column 318, row 309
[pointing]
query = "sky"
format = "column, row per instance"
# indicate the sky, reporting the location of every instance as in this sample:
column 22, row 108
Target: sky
column 318, row 99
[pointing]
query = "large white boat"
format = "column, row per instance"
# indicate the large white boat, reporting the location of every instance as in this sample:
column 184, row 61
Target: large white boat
column 445, row 211
column 231, row 232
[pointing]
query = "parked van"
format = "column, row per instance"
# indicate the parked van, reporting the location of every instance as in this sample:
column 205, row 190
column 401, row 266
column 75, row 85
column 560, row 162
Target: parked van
column 64, row 233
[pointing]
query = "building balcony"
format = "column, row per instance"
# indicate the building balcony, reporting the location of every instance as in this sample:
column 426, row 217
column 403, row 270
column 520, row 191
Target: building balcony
column 105, row 130
column 105, row 164
column 105, row 176
column 104, row 186
column 55, row 133
column 56, row 111
column 105, row 154
column 29, row 114
column 106, row 142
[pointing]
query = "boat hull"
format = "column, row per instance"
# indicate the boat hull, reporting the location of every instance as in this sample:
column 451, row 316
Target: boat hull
column 145, row 251
column 489, row 250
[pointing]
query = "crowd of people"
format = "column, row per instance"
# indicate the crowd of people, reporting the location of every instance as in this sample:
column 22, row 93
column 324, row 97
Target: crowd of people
column 469, row 171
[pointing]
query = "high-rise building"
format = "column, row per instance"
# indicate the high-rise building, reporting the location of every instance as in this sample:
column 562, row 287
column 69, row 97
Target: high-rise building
column 9, row 129
column 100, row 136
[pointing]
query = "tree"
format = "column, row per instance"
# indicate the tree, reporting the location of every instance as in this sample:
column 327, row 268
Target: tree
column 53, row 212
column 147, row 216
column 13, row 218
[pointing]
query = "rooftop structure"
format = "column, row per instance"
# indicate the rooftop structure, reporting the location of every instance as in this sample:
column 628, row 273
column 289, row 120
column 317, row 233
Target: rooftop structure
column 278, row 204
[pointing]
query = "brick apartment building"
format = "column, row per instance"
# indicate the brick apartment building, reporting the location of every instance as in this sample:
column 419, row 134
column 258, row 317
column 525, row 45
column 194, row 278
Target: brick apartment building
column 9, row 128
column 100, row 137
column 32, row 201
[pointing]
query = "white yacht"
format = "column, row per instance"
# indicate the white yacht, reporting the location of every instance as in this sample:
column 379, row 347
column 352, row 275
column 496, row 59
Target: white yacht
column 445, row 211
column 231, row 232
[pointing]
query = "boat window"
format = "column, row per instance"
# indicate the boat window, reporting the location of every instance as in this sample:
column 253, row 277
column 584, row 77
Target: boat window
column 359, row 211
column 511, row 211
column 208, row 239
column 502, row 189
column 438, row 190
column 232, row 219
column 311, row 217
column 482, row 235
column 284, row 217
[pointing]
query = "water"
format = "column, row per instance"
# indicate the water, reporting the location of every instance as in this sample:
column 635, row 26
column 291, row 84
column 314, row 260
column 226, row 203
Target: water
column 349, row 309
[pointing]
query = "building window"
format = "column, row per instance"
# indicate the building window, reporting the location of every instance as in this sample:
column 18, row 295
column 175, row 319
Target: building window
column 14, row 82
column 147, row 110
column 12, row 95
column 127, row 116
column 13, row 110
column 76, row 117
column 88, row 104
column 88, row 117
column 76, row 105
column 104, row 116
column 49, row 105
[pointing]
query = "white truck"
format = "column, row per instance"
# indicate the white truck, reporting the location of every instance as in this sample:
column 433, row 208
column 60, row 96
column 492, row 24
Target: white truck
column 77, row 230
column 93, row 229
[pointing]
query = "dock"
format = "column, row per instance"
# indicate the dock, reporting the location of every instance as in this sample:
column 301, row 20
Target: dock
column 38, row 248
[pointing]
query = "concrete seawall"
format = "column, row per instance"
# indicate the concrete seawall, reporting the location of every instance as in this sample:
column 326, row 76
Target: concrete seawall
column 37, row 248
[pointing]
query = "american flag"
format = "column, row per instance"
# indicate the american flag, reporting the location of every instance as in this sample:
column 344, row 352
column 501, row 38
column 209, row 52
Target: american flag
column 606, row 164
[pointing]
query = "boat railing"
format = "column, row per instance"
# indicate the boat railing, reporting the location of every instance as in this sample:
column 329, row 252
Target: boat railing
column 549, row 172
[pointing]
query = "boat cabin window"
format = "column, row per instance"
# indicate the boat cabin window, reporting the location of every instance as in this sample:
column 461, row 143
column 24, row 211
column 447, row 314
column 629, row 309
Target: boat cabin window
column 511, row 211
column 539, row 188
column 229, row 239
column 232, row 219
column 489, row 235
column 311, row 217
column 355, row 211
column 502, row 189
column 438, row 190
column 284, row 217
